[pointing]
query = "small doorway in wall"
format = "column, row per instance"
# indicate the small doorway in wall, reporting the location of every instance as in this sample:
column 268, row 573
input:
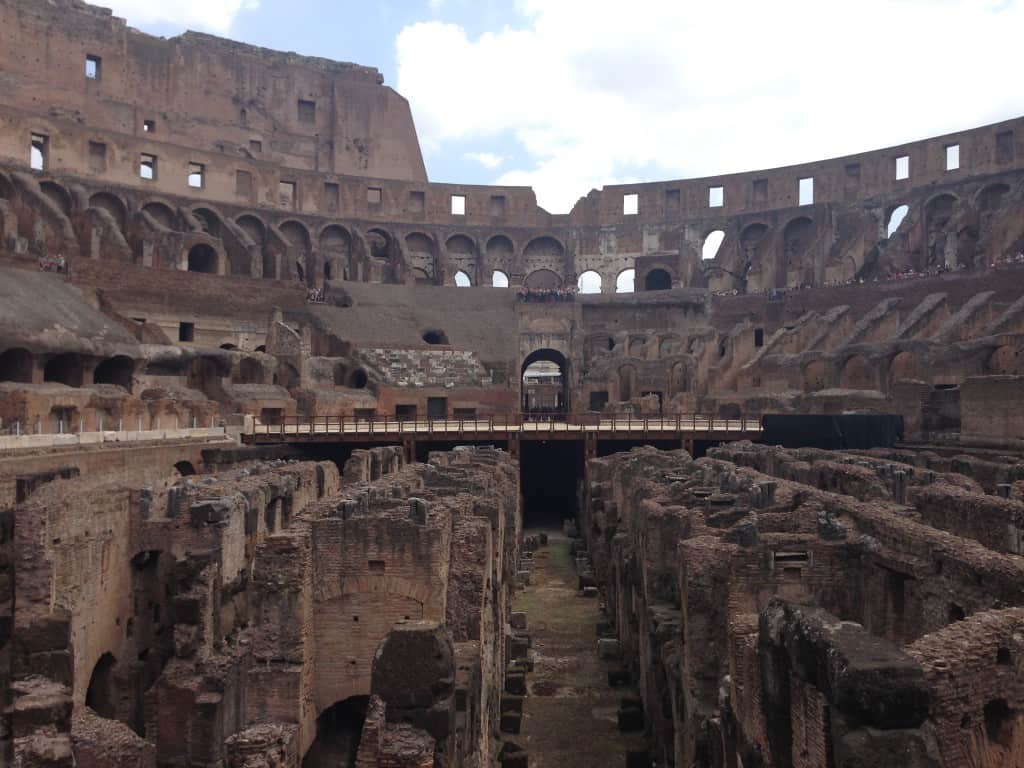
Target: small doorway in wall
column 405, row 412
column 437, row 408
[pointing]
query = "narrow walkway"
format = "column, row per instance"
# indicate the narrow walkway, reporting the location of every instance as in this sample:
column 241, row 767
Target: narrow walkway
column 570, row 715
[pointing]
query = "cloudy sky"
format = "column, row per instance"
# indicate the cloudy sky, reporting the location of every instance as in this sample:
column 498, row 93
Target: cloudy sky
column 570, row 95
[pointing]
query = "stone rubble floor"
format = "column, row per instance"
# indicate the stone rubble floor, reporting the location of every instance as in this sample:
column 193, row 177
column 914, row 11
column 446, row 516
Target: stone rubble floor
column 570, row 712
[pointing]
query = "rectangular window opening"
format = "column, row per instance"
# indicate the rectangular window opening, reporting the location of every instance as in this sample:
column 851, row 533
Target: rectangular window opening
column 417, row 201
column 760, row 190
column 458, row 205
column 902, row 167
column 373, row 195
column 243, row 184
column 286, row 193
column 672, row 198
column 716, row 197
column 807, row 191
column 149, row 126
column 196, row 175
column 92, row 67
column 630, row 204
column 497, row 205
column 97, row 156
column 307, row 111
column 186, row 331
column 952, row 157
column 759, row 337
column 39, row 152
column 255, row 146
column 147, row 167
column 376, row 566
column 782, row 558
column 332, row 196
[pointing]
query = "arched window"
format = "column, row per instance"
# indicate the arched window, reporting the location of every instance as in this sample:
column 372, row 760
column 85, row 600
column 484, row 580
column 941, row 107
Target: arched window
column 895, row 219
column 462, row 279
column 624, row 283
column 202, row 258
column 499, row 279
column 711, row 244
column 589, row 282
column 657, row 280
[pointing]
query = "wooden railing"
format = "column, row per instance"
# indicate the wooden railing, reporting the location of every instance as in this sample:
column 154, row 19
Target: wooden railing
column 508, row 423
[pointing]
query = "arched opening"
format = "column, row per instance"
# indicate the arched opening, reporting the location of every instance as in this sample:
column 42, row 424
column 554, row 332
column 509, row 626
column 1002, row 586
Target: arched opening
column 589, row 282
column 711, row 245
column 115, row 370
column 16, row 365
column 899, row 213
column 462, row 279
column 814, row 376
column 101, row 696
column 625, row 281
column 499, row 279
column 64, row 369
column 545, row 384
column 500, row 254
column 379, row 244
column 419, row 251
column 60, row 196
column 999, row 719
column 858, row 374
column 657, row 280
column 202, row 258
column 208, row 220
column 462, row 254
column 162, row 215
column 434, row 336
column 336, row 248
column 796, row 238
column 1005, row 361
column 185, row 468
column 358, row 379
column 338, row 730
column 905, row 367
column 112, row 205
column 543, row 280
column 543, row 253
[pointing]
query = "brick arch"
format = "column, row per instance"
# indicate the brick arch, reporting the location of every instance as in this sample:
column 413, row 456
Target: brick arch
column 113, row 205
column 379, row 584
column 162, row 212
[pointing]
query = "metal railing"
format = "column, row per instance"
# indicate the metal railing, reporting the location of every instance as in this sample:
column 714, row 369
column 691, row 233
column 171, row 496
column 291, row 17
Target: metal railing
column 508, row 423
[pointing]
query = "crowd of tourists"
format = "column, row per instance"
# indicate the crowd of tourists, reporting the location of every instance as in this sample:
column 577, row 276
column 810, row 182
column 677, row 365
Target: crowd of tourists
column 53, row 264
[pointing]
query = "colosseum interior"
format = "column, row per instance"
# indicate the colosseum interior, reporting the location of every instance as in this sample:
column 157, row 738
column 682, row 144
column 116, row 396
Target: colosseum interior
column 306, row 460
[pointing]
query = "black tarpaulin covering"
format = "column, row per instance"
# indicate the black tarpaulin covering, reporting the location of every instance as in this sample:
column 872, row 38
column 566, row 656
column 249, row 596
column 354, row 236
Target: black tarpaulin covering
column 855, row 430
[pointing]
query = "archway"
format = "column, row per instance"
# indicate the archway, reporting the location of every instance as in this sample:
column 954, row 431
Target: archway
column 112, row 205
column 250, row 371
column 899, row 213
column 101, row 697
column 544, row 381
column 338, row 730
column 162, row 214
column 185, row 468
column 589, row 282
column 16, row 365
column 64, row 369
column 462, row 279
column 202, row 258
column 711, row 244
column 499, row 279
column 543, row 279
column 858, row 373
column 115, row 370
column 657, row 280
column 625, row 281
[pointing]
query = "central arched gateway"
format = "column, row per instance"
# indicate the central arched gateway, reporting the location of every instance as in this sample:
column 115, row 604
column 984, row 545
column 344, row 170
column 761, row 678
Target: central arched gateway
column 544, row 380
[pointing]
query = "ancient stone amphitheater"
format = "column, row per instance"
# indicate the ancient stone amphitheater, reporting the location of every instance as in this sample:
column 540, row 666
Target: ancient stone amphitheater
column 308, row 461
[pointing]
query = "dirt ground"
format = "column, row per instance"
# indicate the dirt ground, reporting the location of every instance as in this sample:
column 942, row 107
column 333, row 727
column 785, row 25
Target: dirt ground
column 570, row 713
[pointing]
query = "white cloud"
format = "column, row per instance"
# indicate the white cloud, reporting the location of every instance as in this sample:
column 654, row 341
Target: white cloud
column 214, row 15
column 486, row 159
column 597, row 91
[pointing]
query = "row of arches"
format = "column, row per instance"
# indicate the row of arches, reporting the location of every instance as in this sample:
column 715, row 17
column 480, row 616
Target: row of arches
column 18, row 365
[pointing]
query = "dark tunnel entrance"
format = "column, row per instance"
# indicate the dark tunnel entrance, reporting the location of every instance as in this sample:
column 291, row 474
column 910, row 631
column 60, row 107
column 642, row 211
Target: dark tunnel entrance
column 549, row 474
column 337, row 735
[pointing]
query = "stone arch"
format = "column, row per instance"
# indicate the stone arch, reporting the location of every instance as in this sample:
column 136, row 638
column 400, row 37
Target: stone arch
column 66, row 368
column 250, row 371
column 462, row 280
column 358, row 379
column 796, row 238
column 500, row 252
column 58, row 194
column 815, row 376
column 679, row 379
column 335, row 250
column 113, row 205
column 101, row 695
column 339, row 729
column 421, row 253
column 462, row 255
column 589, row 282
column 1005, row 360
column 531, row 394
column 117, row 370
column 625, row 281
column 253, row 227
column 544, row 252
column 209, row 220
column 185, row 468
column 991, row 196
column 499, row 279
column 905, row 366
column 543, row 279
column 657, row 279
column 202, row 257
column 895, row 218
column 162, row 214
column 16, row 365
column 858, row 373
column 297, row 236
